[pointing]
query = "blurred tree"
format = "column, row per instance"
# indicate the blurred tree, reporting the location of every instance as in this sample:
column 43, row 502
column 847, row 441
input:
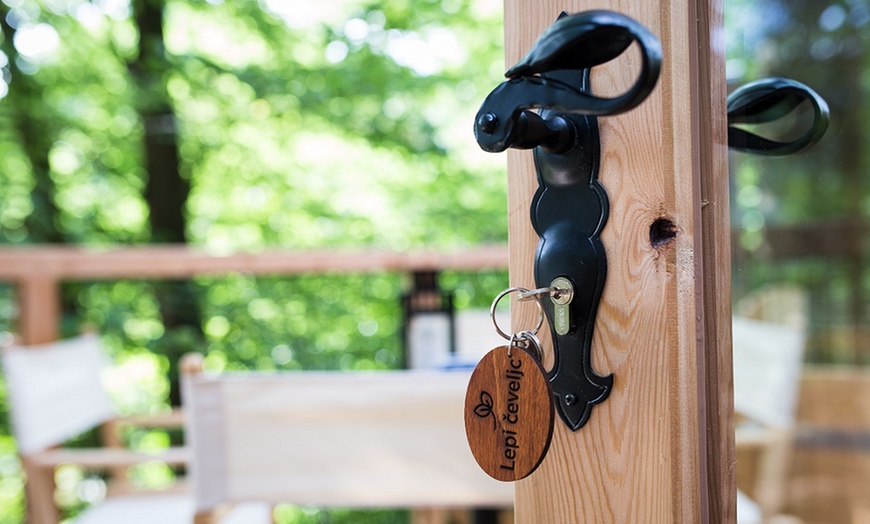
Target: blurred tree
column 236, row 125
column 35, row 126
column 166, row 188
column 804, row 218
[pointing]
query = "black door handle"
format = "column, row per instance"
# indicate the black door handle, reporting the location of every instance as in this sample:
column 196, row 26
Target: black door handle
column 574, row 43
column 766, row 101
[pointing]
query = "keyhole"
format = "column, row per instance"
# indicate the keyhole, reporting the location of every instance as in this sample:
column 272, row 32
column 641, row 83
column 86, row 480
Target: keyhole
column 662, row 231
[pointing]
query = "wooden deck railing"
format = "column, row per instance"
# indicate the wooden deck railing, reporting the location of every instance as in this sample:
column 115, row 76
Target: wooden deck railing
column 37, row 271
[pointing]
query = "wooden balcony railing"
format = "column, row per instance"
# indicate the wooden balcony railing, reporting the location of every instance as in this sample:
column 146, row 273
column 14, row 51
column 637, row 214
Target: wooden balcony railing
column 37, row 271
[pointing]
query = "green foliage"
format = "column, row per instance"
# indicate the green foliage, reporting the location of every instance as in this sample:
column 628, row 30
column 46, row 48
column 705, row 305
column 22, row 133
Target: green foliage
column 824, row 45
column 11, row 483
column 285, row 514
column 318, row 117
column 342, row 125
column 309, row 322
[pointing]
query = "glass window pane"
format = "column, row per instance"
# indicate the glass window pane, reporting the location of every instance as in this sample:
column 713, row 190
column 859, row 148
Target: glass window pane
column 799, row 245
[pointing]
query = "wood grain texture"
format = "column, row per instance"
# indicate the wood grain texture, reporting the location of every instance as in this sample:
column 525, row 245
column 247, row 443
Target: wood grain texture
column 652, row 452
column 508, row 413
column 711, row 177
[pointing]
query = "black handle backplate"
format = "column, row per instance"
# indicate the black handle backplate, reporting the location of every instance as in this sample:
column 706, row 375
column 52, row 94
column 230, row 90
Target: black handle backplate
column 570, row 207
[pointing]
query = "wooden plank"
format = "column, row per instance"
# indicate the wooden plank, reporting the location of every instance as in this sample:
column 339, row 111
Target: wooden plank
column 107, row 458
column 822, row 238
column 829, row 474
column 167, row 419
column 835, row 398
column 175, row 261
column 40, row 487
column 110, row 438
column 652, row 451
column 829, row 486
column 712, row 209
column 38, row 298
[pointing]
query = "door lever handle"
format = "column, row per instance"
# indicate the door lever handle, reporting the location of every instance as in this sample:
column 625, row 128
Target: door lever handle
column 572, row 44
column 767, row 101
column 570, row 207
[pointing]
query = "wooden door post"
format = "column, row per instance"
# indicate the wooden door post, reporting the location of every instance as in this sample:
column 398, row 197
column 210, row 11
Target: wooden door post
column 660, row 449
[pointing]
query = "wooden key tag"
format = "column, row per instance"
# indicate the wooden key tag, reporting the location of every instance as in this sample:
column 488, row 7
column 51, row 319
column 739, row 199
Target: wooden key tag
column 509, row 413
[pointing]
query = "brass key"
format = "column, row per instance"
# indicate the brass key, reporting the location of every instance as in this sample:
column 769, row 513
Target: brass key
column 561, row 293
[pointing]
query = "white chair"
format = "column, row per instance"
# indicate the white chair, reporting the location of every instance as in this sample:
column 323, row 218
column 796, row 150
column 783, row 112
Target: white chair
column 767, row 366
column 55, row 394
column 332, row 439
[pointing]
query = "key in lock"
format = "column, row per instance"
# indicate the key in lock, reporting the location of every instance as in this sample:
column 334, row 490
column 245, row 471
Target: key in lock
column 561, row 293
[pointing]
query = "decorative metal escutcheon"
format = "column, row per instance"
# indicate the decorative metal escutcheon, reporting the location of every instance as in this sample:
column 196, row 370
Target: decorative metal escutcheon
column 546, row 104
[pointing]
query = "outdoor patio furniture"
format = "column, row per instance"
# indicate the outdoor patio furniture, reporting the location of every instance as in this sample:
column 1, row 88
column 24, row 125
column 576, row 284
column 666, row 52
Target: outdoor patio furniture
column 333, row 439
column 767, row 368
column 55, row 394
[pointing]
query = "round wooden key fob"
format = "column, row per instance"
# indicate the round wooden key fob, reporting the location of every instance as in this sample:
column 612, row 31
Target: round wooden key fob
column 509, row 413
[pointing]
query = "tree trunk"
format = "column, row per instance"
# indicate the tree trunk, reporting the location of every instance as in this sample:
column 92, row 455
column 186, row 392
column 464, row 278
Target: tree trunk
column 166, row 190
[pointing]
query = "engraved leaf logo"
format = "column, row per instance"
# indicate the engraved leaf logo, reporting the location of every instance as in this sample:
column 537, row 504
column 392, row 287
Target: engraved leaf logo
column 484, row 408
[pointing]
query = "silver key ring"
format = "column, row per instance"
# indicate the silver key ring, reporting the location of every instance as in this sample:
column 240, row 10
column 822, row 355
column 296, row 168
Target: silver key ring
column 528, row 341
column 507, row 292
